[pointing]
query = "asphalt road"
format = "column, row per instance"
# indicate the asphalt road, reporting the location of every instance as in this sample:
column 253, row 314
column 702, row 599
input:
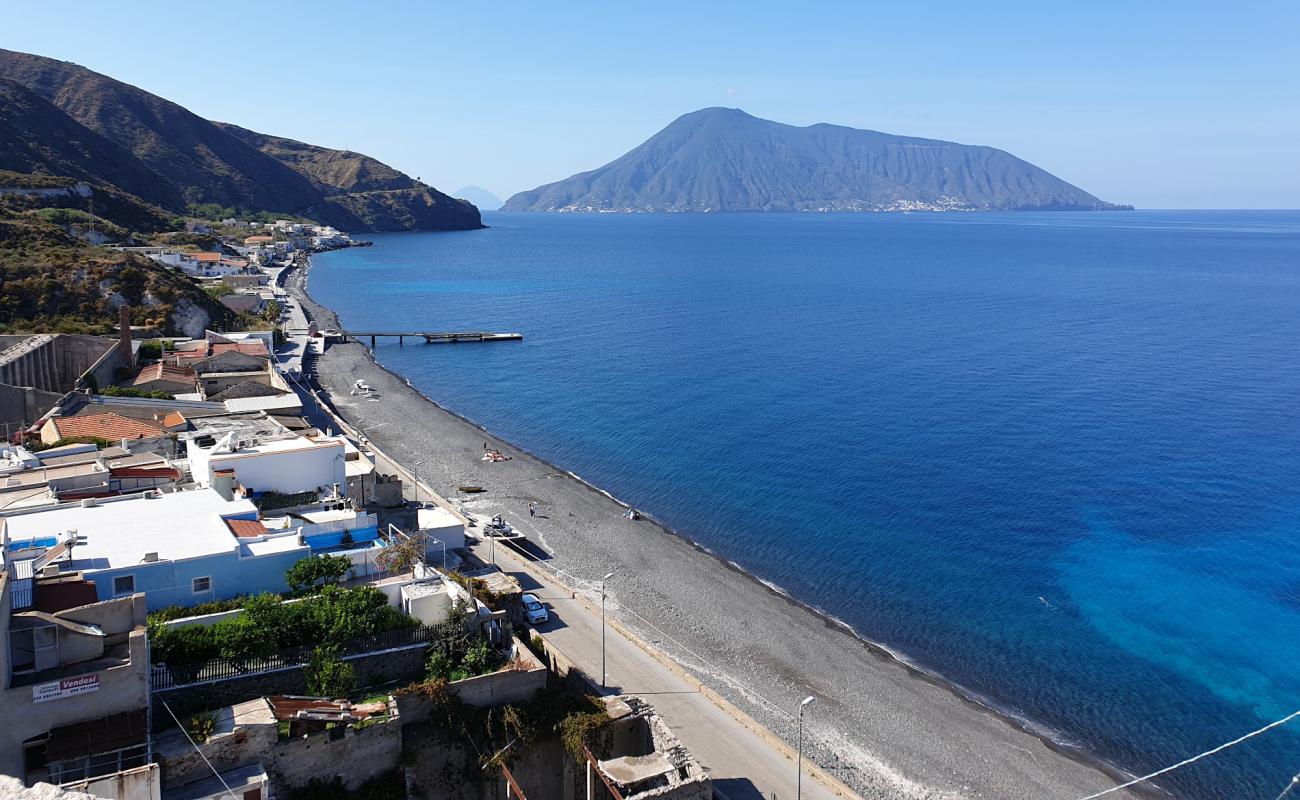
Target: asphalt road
column 744, row 763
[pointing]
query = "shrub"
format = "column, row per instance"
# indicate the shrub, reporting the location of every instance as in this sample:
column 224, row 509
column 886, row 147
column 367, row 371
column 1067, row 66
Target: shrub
column 267, row 625
column 538, row 645
column 189, row 644
column 272, row 500
column 446, row 704
column 401, row 554
column 170, row 613
column 582, row 730
column 36, row 445
column 456, row 652
column 328, row 675
column 201, row 726
column 478, row 588
column 130, row 391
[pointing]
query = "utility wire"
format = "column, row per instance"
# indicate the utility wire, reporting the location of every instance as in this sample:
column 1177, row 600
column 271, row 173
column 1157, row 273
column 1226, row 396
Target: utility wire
column 1287, row 789
column 190, row 739
column 1270, row 726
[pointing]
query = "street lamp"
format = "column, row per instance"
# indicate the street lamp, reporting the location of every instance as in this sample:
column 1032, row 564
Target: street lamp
column 602, row 629
column 798, row 791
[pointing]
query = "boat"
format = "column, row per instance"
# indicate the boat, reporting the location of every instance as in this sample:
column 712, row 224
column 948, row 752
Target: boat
column 471, row 489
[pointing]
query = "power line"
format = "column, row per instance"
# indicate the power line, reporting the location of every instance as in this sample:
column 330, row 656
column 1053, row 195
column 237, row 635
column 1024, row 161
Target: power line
column 1287, row 789
column 190, row 739
column 1270, row 726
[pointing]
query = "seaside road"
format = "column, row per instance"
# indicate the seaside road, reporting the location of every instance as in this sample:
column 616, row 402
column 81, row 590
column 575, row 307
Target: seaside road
column 741, row 759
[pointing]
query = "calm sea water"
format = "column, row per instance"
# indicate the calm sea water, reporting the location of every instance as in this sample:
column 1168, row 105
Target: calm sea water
column 1054, row 457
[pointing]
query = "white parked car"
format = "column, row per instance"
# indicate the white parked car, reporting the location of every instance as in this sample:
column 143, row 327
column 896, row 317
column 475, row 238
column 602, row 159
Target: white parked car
column 535, row 609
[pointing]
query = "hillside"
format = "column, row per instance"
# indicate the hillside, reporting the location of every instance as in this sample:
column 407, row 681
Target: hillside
column 51, row 281
column 63, row 193
column 172, row 157
column 336, row 170
column 721, row 159
column 39, row 137
column 202, row 162
column 418, row 209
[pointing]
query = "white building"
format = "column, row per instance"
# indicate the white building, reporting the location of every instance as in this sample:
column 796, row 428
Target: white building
column 178, row 548
column 442, row 526
column 287, row 465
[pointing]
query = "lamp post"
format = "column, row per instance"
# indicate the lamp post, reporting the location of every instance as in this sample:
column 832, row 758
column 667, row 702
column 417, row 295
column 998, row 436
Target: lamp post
column 602, row 629
column 798, row 783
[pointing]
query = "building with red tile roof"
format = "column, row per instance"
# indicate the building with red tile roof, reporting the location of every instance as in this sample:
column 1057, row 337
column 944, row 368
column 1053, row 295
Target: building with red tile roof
column 165, row 378
column 246, row 528
column 111, row 427
column 204, row 350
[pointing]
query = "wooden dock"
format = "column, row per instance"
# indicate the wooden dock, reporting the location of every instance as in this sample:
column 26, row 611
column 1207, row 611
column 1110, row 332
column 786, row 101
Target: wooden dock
column 453, row 337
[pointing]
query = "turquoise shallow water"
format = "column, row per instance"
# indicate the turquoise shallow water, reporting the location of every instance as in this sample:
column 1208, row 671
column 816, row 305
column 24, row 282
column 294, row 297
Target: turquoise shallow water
column 1053, row 457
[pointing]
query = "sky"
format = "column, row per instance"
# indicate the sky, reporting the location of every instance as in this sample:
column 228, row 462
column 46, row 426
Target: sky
column 1159, row 104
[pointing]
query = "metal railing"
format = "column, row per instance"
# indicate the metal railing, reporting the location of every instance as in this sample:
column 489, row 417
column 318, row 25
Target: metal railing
column 88, row 767
column 170, row 676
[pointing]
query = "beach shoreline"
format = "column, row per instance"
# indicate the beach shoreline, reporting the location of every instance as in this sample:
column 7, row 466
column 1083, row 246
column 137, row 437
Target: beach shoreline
column 928, row 737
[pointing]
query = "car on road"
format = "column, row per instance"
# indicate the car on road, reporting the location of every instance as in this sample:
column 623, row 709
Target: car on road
column 535, row 609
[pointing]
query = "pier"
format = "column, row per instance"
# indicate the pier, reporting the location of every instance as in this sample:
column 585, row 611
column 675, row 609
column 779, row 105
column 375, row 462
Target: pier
column 438, row 338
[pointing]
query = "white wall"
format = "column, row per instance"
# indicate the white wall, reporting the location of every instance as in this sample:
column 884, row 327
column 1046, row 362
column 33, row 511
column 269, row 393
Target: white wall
column 286, row 472
column 441, row 525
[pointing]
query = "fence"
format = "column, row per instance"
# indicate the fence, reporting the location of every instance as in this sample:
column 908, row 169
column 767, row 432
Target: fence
column 167, row 676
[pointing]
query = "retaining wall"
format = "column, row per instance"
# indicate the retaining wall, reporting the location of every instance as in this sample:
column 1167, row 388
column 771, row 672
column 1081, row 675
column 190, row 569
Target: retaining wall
column 355, row 757
column 373, row 669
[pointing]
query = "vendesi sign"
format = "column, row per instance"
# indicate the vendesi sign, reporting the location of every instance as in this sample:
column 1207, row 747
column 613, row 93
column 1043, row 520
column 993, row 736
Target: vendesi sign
column 68, row 687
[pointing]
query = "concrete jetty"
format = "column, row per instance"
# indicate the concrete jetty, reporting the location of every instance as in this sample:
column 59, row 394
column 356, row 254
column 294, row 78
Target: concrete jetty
column 437, row 338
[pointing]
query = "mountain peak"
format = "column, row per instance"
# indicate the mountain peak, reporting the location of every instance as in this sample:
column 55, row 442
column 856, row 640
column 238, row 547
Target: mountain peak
column 724, row 159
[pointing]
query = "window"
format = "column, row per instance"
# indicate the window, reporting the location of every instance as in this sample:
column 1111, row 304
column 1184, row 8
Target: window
column 123, row 584
column 202, row 585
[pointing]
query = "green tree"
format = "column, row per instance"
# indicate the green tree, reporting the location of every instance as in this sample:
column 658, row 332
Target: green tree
column 328, row 675
column 309, row 574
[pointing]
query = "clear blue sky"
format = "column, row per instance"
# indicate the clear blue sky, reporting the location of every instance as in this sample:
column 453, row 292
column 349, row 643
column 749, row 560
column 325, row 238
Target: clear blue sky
column 1160, row 104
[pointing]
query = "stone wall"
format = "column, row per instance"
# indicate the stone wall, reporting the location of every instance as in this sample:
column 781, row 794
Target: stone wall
column 247, row 733
column 355, row 757
column 513, row 685
column 243, row 733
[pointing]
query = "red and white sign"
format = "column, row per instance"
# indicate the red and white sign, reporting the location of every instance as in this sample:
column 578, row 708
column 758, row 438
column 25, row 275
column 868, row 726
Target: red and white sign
column 68, row 687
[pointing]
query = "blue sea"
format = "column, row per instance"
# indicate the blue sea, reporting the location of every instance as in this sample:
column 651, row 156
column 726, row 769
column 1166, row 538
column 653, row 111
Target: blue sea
column 1054, row 458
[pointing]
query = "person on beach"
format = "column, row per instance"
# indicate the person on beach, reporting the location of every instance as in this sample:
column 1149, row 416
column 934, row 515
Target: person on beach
column 532, row 509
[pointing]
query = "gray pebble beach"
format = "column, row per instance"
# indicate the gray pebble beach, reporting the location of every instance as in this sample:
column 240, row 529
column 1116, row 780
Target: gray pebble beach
column 884, row 728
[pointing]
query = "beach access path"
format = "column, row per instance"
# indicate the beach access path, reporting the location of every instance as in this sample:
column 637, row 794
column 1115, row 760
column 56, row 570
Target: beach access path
column 880, row 726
